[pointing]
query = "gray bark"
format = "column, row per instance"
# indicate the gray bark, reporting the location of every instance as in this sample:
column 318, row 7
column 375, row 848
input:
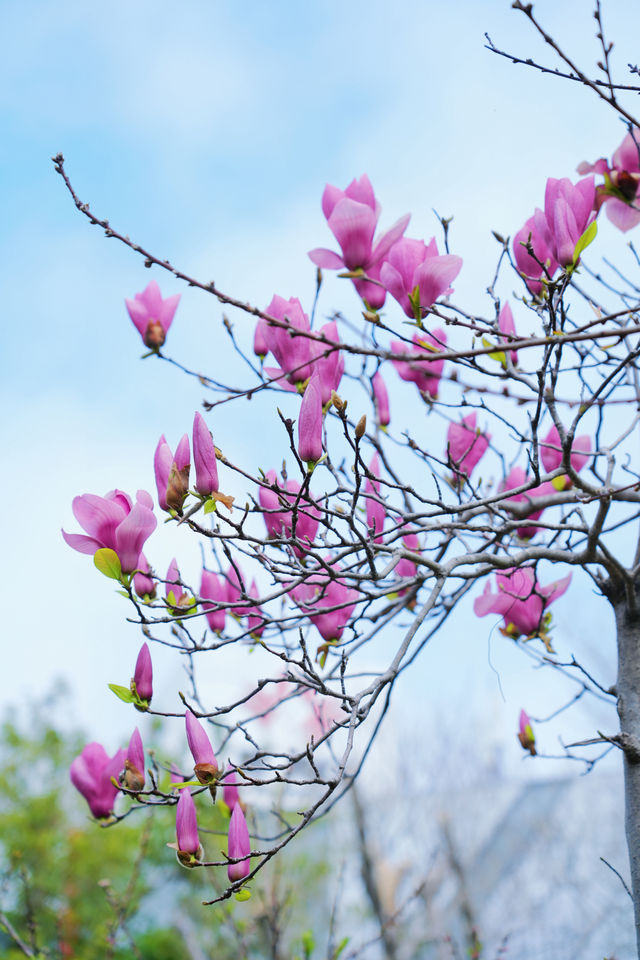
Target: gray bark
column 628, row 690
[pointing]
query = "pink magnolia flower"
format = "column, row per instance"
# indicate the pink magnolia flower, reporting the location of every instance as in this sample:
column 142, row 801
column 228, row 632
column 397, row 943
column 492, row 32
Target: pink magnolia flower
column 204, row 457
column 113, row 522
column 230, row 793
column 419, row 367
column 406, row 568
column 143, row 674
column 380, row 399
column 212, row 588
column 172, row 474
column 328, row 603
column 133, row 776
column 293, row 351
column 331, row 367
column 239, row 845
column 619, row 191
column 525, row 734
column 528, row 265
column 279, row 520
column 551, row 455
column 260, row 344
column 417, row 275
column 178, row 599
column 521, row 600
column 352, row 216
column 206, row 765
column 518, row 478
column 376, row 512
column 466, row 445
column 91, row 774
column 143, row 582
column 151, row 315
column 568, row 211
column 508, row 327
column 255, row 618
column 187, row 839
column 310, row 423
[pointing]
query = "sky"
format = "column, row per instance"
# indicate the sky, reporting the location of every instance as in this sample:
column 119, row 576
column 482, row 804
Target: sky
column 208, row 137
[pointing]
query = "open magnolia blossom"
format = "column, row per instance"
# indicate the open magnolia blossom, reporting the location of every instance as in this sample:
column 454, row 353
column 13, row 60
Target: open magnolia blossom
column 552, row 456
column 521, row 600
column 420, row 366
column 352, row 216
column 466, row 445
column 417, row 275
column 518, row 478
column 92, row 773
column 619, row 191
column 152, row 316
column 328, row 602
column 283, row 511
column 294, row 351
column 113, row 522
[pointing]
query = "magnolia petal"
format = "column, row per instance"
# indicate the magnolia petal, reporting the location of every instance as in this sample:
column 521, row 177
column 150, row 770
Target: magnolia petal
column 386, row 241
column 81, row 543
column 621, row 214
column 353, row 225
column 326, row 259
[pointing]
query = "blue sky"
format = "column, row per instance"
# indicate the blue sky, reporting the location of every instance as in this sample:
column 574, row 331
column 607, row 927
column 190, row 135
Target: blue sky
column 209, row 137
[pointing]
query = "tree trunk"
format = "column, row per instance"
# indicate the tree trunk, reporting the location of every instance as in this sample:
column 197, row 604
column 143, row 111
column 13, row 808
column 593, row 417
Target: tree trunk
column 628, row 690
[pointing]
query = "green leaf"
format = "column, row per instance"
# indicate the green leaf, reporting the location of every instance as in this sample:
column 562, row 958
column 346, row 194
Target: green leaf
column 108, row 563
column 343, row 943
column 210, row 506
column 123, row 693
column 308, row 943
column 497, row 355
column 123, row 593
column 243, row 895
column 414, row 300
column 587, row 237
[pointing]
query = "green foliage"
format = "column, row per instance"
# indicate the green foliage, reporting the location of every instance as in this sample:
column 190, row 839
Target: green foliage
column 63, row 871
column 587, row 237
column 108, row 563
column 123, row 693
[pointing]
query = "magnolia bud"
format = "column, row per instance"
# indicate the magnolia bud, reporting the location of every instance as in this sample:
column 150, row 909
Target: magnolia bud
column 338, row 403
column 361, row 427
